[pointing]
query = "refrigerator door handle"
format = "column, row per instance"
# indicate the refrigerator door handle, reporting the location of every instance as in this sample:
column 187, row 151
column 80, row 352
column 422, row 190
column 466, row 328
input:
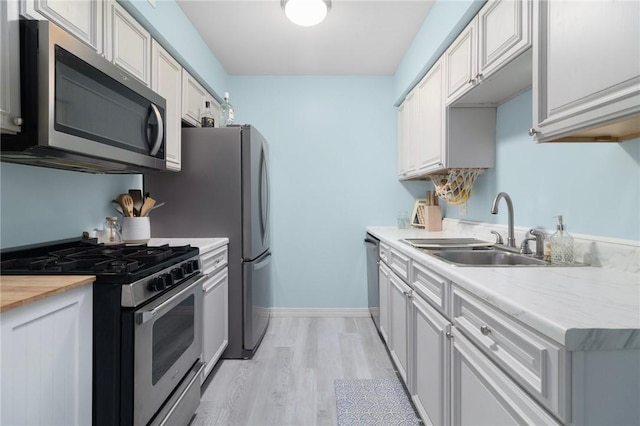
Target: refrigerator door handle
column 264, row 195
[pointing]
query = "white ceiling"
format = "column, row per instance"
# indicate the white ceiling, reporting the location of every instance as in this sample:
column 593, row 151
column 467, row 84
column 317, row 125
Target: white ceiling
column 358, row 37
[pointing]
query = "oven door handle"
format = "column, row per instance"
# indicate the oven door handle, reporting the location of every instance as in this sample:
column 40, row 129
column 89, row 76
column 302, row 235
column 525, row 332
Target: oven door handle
column 144, row 316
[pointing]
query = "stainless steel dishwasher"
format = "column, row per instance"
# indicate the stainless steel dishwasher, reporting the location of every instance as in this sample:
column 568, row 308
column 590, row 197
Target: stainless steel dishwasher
column 373, row 249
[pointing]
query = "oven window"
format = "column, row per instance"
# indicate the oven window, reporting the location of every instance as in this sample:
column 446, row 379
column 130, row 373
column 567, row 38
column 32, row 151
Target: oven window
column 173, row 334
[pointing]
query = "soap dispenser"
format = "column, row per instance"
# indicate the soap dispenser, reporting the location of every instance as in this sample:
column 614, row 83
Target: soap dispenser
column 561, row 245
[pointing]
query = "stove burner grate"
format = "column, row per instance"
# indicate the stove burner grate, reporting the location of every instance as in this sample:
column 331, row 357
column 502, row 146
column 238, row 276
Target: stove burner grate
column 150, row 254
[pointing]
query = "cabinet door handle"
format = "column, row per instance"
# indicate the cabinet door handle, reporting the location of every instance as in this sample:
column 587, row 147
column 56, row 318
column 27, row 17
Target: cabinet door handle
column 485, row 330
column 533, row 131
column 17, row 121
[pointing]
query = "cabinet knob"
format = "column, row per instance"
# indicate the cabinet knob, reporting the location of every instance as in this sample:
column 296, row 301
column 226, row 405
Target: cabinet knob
column 449, row 335
column 408, row 293
column 17, row 121
column 533, row 131
column 485, row 330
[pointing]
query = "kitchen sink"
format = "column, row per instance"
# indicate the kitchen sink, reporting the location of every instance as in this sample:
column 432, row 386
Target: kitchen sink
column 486, row 258
column 443, row 243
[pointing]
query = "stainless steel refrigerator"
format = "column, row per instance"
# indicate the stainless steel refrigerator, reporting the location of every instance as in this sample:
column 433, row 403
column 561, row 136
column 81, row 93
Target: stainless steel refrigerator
column 223, row 191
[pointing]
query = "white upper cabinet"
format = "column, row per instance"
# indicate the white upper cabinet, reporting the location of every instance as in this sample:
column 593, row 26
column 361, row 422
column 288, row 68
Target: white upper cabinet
column 504, row 32
column 215, row 109
column 83, row 19
column 433, row 138
column 127, row 43
column 430, row 120
column 407, row 133
column 421, row 126
column 490, row 61
column 586, row 71
column 166, row 80
column 194, row 97
column 461, row 62
column 9, row 68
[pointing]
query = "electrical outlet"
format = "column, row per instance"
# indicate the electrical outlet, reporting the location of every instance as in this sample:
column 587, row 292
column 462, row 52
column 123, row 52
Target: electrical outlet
column 462, row 209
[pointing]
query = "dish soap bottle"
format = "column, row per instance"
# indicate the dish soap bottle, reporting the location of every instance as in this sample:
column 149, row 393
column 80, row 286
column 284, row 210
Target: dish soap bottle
column 561, row 245
column 226, row 111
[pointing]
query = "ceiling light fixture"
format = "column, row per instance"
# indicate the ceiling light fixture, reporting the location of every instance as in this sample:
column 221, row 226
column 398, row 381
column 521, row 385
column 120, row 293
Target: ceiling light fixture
column 306, row 13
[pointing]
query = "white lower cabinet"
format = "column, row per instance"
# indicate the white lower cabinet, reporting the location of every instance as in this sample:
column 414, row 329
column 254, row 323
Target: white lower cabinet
column 430, row 362
column 215, row 327
column 462, row 361
column 466, row 362
column 384, row 284
column 398, row 324
column 483, row 394
column 46, row 361
column 215, row 312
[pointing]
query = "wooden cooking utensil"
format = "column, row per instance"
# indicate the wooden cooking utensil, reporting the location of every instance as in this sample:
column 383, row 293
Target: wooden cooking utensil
column 126, row 202
column 147, row 206
column 136, row 196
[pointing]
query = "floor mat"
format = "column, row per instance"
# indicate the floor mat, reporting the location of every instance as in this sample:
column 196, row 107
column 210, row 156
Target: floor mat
column 370, row 402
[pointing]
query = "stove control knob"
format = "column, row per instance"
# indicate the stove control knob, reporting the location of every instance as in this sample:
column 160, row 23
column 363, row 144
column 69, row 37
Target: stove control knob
column 177, row 273
column 187, row 268
column 168, row 279
column 157, row 284
column 195, row 265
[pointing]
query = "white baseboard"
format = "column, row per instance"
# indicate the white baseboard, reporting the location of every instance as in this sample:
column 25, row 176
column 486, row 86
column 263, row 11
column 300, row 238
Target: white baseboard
column 319, row 312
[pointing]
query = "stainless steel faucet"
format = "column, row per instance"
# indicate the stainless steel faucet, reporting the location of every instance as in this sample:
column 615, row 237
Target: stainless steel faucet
column 511, row 240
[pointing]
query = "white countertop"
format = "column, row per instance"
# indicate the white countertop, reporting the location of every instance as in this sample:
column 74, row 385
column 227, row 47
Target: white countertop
column 582, row 308
column 204, row 244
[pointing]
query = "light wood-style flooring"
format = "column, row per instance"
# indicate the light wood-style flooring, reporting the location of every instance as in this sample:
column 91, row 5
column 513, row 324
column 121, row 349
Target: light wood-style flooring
column 290, row 379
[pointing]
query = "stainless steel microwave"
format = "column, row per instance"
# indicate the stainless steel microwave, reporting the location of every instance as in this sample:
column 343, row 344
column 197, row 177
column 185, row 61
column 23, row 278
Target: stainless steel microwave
column 81, row 112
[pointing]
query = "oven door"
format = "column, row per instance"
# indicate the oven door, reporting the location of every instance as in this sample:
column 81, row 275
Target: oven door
column 168, row 342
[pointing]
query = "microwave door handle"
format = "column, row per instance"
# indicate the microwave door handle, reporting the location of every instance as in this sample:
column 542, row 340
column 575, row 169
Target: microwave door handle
column 158, row 141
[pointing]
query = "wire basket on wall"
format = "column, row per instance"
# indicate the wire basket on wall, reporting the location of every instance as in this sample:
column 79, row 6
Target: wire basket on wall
column 455, row 186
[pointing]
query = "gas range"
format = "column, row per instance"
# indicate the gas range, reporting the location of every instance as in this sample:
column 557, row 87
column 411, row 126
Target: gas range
column 147, row 315
column 143, row 272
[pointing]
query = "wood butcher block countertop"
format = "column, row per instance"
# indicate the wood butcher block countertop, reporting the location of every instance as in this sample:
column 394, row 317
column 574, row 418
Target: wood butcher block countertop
column 18, row 290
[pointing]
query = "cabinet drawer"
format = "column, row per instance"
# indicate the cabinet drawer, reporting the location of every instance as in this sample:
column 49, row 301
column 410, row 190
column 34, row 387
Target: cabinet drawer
column 432, row 287
column 213, row 260
column 399, row 263
column 483, row 394
column 532, row 361
column 384, row 253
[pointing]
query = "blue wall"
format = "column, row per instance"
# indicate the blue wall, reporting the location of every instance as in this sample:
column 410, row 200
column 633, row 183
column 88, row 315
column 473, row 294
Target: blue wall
column 332, row 143
column 39, row 204
column 595, row 186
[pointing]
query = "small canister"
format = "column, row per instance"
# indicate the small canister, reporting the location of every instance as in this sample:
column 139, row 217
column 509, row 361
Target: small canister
column 111, row 231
